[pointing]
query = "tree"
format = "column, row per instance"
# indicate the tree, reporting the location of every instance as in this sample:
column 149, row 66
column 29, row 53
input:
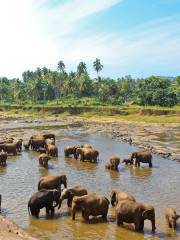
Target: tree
column 97, row 66
column 61, row 66
column 81, row 68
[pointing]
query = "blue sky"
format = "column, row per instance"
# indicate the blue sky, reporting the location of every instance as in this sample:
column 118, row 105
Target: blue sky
column 137, row 37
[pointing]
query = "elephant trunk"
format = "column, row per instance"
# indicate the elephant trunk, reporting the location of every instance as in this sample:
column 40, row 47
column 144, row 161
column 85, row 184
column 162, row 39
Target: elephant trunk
column 73, row 212
column 113, row 203
column 65, row 184
column 153, row 224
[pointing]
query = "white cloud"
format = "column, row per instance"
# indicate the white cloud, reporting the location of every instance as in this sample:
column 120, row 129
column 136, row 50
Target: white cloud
column 33, row 33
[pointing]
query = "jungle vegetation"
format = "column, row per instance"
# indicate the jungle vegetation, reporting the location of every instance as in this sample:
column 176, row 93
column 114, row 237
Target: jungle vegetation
column 44, row 85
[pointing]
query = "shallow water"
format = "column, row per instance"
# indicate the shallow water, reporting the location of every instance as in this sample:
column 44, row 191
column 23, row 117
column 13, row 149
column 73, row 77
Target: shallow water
column 158, row 186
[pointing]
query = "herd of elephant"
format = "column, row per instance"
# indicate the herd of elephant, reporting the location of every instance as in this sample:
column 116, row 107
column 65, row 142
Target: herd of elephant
column 50, row 195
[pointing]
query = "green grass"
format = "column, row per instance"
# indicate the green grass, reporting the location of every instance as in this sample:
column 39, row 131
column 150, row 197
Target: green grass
column 100, row 111
column 86, row 102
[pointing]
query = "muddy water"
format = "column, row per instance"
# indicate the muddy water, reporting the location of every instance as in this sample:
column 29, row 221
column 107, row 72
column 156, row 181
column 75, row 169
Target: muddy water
column 158, row 186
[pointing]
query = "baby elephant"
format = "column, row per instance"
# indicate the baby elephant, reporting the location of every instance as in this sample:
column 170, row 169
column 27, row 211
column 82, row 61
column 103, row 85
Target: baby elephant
column 3, row 158
column 128, row 161
column 171, row 217
column 114, row 162
column 43, row 160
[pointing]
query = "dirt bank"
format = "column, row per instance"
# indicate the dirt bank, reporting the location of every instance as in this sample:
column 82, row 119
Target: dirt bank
column 10, row 231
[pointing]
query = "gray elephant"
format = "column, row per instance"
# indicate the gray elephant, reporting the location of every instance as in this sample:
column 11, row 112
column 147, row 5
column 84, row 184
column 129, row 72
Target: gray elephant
column 53, row 182
column 43, row 160
column 171, row 217
column 134, row 212
column 3, row 158
column 41, row 199
column 10, row 148
column 69, row 193
column 91, row 204
column 70, row 150
column 128, row 161
column 118, row 195
column 88, row 154
column 144, row 157
column 113, row 164
column 52, row 150
column 36, row 143
column 19, row 145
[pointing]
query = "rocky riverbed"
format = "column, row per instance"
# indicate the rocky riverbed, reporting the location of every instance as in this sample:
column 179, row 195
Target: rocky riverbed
column 163, row 139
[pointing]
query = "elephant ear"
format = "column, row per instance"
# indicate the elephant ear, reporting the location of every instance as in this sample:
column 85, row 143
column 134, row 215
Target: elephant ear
column 146, row 213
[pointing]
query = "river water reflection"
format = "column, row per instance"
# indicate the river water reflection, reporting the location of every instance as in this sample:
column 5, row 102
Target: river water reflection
column 158, row 186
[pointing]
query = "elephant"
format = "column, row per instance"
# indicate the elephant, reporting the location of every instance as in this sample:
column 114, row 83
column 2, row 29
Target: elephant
column 19, row 145
column 171, row 217
column 53, row 182
column 87, row 154
column 69, row 193
column 41, row 199
column 49, row 135
column 3, row 158
column 91, row 204
column 118, row 195
column 52, row 151
column 10, row 148
column 70, row 150
column 128, row 161
column 134, row 212
column 114, row 162
column 43, row 160
column 144, row 157
column 37, row 143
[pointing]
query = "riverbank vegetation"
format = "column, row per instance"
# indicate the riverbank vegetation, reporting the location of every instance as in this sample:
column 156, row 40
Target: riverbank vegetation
column 60, row 88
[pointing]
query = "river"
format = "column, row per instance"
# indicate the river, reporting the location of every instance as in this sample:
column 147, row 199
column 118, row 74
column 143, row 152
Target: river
column 158, row 186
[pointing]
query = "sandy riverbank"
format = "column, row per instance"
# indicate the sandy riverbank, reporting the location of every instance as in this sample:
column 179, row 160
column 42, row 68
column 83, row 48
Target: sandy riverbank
column 10, row 231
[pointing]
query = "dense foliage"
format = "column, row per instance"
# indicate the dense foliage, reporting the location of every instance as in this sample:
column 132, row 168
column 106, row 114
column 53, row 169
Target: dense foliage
column 44, row 84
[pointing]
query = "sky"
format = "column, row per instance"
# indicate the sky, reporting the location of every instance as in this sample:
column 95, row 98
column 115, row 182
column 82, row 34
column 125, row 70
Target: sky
column 136, row 37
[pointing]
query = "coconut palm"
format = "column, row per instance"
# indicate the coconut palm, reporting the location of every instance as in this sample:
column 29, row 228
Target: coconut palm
column 97, row 66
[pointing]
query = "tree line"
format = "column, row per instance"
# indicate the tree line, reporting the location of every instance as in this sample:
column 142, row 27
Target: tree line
column 44, row 85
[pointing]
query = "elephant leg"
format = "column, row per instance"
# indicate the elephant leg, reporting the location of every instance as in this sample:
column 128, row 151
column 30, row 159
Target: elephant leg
column 119, row 222
column 136, row 162
column 138, row 224
column 86, row 215
column 104, row 216
column 69, row 202
column 141, row 227
column 150, row 164
column 52, row 210
column 36, row 213
column 47, row 210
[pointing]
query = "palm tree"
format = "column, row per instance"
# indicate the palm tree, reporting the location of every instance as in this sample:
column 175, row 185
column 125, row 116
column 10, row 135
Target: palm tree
column 97, row 66
column 61, row 66
column 81, row 68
